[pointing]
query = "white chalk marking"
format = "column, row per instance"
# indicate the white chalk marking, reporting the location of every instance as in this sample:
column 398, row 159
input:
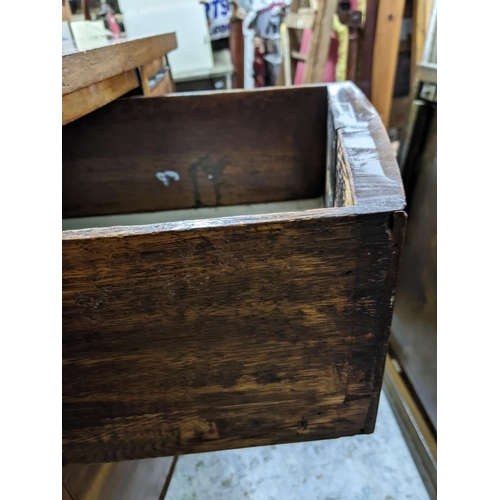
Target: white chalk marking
column 167, row 176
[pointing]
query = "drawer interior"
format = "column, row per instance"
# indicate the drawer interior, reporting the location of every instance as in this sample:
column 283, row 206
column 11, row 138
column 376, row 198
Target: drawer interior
column 227, row 153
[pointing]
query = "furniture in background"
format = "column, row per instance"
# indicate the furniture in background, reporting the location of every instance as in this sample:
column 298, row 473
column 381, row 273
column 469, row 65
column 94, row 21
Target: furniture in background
column 236, row 46
column 361, row 45
column 364, row 80
column 219, row 77
column 93, row 78
column 414, row 325
column 415, row 315
column 66, row 11
column 422, row 10
column 318, row 21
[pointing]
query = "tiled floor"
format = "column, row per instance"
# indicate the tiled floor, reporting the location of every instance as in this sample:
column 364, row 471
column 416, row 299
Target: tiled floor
column 378, row 466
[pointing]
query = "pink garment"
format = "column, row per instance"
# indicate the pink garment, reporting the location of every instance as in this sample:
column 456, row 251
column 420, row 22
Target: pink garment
column 113, row 25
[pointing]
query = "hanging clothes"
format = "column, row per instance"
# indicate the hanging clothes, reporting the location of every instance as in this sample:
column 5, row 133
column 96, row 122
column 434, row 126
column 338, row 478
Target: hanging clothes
column 266, row 19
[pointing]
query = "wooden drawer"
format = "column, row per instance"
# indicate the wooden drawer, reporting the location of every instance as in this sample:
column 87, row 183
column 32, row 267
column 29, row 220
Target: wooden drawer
column 206, row 334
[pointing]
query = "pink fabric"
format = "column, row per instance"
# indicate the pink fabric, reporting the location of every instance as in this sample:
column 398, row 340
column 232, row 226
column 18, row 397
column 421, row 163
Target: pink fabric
column 331, row 62
column 113, row 25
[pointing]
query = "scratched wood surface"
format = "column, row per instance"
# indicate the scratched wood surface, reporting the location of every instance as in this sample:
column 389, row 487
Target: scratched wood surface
column 181, row 151
column 203, row 335
column 196, row 340
column 344, row 185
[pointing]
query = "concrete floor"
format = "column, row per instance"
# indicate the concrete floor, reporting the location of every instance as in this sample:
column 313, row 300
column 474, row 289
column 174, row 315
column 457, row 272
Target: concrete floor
column 378, row 466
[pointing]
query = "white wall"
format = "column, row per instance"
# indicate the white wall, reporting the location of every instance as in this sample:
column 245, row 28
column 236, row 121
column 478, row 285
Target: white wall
column 184, row 17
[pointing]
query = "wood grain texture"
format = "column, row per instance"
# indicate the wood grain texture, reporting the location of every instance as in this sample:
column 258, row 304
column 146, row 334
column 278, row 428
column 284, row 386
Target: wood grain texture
column 97, row 95
column 344, row 184
column 181, row 341
column 364, row 146
column 213, row 334
column 84, row 68
column 385, row 55
column 128, row 480
column 227, row 148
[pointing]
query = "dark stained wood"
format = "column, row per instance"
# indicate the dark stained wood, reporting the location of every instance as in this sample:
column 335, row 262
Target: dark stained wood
column 84, row 68
column 368, row 42
column 414, row 326
column 214, row 334
column 227, row 148
column 354, row 24
column 88, row 99
column 65, row 494
column 364, row 146
column 181, row 341
column 86, row 10
column 236, row 46
column 128, row 480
